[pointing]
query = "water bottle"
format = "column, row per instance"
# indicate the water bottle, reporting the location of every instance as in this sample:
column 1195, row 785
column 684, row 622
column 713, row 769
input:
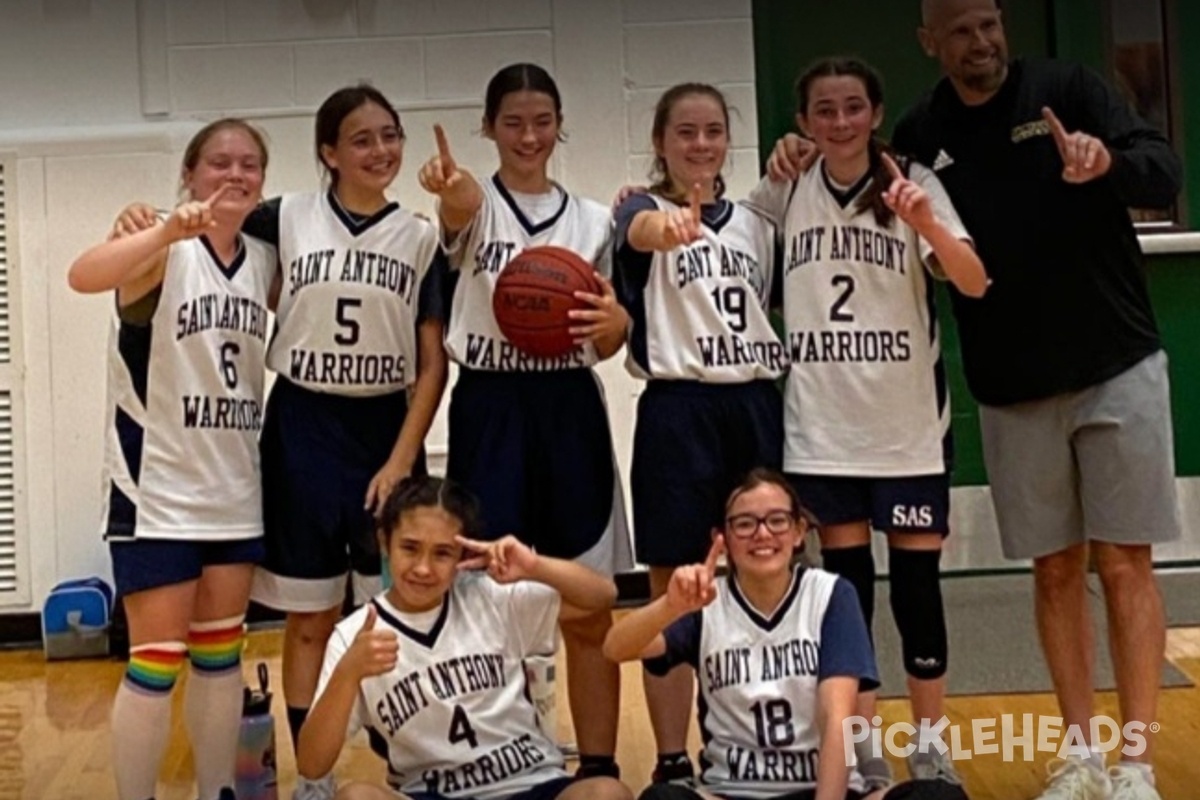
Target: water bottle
column 256, row 777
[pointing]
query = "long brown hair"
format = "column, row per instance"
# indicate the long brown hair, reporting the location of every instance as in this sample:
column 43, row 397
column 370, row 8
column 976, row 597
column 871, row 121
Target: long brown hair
column 837, row 66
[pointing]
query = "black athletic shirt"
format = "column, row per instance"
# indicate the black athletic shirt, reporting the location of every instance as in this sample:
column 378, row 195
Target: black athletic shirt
column 1068, row 307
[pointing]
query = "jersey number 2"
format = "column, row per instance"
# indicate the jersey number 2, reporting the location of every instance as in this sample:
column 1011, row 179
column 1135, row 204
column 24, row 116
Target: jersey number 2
column 460, row 728
column 836, row 311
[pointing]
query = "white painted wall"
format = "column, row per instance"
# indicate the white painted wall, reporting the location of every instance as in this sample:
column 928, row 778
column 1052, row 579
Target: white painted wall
column 100, row 96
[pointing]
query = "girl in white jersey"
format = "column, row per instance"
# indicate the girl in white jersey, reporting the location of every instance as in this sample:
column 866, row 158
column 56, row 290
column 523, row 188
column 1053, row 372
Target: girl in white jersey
column 358, row 327
column 772, row 726
column 184, row 509
column 866, row 410
column 529, row 436
column 695, row 272
column 436, row 664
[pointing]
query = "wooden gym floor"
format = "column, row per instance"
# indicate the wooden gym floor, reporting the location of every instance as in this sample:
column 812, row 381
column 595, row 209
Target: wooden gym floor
column 54, row 740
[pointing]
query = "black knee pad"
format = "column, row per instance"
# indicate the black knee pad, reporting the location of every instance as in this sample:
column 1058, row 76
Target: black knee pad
column 857, row 565
column 916, row 593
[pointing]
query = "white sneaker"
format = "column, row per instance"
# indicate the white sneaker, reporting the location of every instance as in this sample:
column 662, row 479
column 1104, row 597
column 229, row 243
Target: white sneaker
column 876, row 773
column 1075, row 780
column 1129, row 783
column 933, row 766
column 322, row 789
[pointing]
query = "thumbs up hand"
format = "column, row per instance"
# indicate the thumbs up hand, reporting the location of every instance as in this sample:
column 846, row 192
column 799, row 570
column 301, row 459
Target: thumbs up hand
column 374, row 650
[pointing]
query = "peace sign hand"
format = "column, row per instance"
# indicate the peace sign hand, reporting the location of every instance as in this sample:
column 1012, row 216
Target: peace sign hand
column 195, row 217
column 373, row 652
column 682, row 226
column 506, row 560
column 907, row 199
column 1084, row 157
column 693, row 587
column 440, row 174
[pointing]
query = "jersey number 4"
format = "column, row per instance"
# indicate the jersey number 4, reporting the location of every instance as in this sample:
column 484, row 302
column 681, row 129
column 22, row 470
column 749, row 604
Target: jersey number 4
column 461, row 730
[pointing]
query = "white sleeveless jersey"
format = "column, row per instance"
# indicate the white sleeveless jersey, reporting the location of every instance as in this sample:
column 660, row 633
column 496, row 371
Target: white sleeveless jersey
column 758, row 678
column 347, row 314
column 706, row 305
column 185, row 398
column 455, row 711
column 499, row 231
column 866, row 393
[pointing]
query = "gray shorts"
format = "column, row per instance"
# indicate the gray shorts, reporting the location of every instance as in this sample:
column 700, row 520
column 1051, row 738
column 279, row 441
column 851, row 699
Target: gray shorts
column 1097, row 464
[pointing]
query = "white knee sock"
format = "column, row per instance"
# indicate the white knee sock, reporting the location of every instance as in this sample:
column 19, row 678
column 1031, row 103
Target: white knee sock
column 141, row 717
column 213, row 705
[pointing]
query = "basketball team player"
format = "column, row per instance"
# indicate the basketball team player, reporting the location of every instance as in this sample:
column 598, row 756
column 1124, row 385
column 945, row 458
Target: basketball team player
column 530, row 436
column 695, row 273
column 435, row 664
column 184, row 509
column 772, row 727
column 866, row 406
column 358, row 327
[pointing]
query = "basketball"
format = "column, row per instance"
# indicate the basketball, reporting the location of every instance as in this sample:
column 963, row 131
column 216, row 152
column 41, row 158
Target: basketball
column 533, row 294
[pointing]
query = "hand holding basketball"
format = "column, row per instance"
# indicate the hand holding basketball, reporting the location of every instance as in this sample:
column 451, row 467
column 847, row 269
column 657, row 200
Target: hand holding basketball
column 693, row 587
column 506, row 560
column 373, row 652
column 440, row 174
column 605, row 318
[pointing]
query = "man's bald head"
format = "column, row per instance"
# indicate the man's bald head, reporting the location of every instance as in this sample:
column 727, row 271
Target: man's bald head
column 967, row 39
column 935, row 13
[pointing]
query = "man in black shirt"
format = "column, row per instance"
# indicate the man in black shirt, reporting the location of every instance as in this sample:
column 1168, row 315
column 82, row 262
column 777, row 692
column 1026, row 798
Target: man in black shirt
column 1042, row 160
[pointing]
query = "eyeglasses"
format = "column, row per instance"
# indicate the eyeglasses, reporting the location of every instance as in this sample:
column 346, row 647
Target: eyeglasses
column 744, row 526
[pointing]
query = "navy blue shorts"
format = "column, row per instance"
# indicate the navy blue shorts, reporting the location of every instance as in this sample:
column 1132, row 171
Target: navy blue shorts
column 535, row 449
column 693, row 443
column 543, row 791
column 319, row 453
column 141, row 564
column 917, row 504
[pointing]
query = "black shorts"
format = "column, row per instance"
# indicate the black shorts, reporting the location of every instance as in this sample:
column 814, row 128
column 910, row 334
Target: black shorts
column 535, row 449
column 693, row 443
column 911, row 504
column 319, row 453
column 140, row 564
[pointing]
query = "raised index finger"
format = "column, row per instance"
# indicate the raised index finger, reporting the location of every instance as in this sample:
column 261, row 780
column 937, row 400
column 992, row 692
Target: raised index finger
column 212, row 199
column 1056, row 127
column 694, row 204
column 714, row 555
column 443, row 146
column 892, row 167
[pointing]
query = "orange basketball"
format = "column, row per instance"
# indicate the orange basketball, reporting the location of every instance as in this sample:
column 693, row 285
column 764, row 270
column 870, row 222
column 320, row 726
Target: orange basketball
column 533, row 294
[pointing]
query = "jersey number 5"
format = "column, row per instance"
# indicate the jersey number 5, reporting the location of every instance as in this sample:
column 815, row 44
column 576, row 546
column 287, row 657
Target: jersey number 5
column 461, row 730
column 350, row 327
